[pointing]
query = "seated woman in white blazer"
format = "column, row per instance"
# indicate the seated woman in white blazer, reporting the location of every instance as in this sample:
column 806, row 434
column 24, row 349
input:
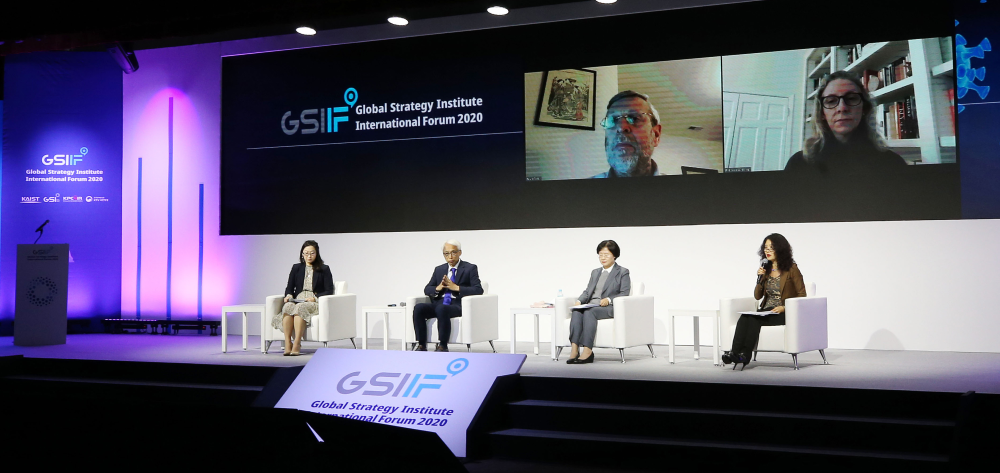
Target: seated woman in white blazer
column 606, row 283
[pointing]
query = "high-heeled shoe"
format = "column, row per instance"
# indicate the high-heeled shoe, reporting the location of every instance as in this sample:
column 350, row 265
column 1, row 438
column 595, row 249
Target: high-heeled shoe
column 727, row 358
column 288, row 350
column 741, row 358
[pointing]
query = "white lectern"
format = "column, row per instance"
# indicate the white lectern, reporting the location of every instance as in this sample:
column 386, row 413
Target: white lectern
column 40, row 304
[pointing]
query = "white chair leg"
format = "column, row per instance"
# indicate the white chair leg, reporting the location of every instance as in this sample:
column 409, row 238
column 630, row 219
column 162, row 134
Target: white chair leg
column 824, row 357
column 795, row 360
column 621, row 351
column 650, row 346
column 558, row 351
column 491, row 346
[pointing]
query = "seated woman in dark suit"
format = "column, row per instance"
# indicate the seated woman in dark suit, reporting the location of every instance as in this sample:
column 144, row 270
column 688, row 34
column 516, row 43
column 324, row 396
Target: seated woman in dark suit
column 308, row 280
column 779, row 280
column 606, row 283
column 846, row 138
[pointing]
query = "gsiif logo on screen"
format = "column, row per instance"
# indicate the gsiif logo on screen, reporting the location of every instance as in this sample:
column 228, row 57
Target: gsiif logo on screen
column 65, row 159
column 396, row 384
column 319, row 120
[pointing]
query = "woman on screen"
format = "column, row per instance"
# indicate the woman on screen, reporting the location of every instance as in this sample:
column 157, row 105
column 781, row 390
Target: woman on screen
column 308, row 280
column 606, row 283
column 778, row 279
column 846, row 138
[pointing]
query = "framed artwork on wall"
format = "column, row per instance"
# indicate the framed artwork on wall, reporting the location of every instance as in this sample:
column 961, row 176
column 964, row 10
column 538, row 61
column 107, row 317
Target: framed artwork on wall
column 567, row 99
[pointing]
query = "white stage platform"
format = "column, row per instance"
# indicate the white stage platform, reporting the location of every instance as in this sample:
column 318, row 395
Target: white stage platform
column 864, row 369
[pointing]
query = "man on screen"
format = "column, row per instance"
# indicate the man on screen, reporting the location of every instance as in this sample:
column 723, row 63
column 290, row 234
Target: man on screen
column 631, row 133
column 448, row 285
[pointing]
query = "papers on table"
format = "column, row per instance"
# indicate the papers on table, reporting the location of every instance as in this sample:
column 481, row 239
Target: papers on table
column 585, row 306
column 297, row 301
column 766, row 312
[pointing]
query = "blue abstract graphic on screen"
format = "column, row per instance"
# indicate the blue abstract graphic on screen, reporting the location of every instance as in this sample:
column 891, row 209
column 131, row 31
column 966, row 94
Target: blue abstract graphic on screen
column 968, row 75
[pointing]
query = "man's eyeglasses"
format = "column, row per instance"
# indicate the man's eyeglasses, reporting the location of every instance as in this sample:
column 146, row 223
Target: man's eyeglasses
column 450, row 253
column 635, row 118
column 852, row 99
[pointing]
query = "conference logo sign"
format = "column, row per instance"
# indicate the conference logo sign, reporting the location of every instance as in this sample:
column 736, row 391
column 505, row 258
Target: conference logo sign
column 385, row 382
column 65, row 159
column 51, row 199
column 319, row 120
column 31, row 200
column 74, row 198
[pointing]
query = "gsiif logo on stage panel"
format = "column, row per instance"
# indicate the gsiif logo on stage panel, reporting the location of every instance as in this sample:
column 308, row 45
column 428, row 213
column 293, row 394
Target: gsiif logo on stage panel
column 319, row 120
column 65, row 159
column 398, row 384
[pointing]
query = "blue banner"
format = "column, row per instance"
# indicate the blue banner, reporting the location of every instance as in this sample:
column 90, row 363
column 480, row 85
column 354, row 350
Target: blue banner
column 62, row 162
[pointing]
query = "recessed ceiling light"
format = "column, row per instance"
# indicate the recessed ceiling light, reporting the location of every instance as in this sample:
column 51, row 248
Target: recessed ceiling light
column 497, row 10
column 398, row 20
column 305, row 30
column 607, row 1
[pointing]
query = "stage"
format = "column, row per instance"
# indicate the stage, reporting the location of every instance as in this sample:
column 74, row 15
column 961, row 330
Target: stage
column 860, row 369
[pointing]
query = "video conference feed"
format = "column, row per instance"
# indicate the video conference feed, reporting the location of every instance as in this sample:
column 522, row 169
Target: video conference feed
column 670, row 125
column 775, row 104
column 443, row 132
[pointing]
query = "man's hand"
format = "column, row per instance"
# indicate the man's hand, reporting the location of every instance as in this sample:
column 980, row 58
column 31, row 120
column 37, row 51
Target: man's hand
column 605, row 302
column 440, row 287
column 576, row 303
column 451, row 285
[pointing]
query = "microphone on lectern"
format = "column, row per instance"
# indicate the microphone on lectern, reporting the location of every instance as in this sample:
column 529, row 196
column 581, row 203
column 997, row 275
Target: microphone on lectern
column 40, row 230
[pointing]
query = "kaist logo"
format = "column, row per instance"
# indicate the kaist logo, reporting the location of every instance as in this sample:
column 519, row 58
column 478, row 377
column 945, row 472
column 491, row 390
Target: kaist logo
column 390, row 383
column 65, row 159
column 327, row 122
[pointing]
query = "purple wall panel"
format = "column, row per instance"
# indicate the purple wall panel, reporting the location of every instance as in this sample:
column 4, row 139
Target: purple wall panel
column 192, row 77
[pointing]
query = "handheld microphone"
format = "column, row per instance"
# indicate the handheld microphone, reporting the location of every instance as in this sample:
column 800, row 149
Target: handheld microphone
column 760, row 277
column 40, row 227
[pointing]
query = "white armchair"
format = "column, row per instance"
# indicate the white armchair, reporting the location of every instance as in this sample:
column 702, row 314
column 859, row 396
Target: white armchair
column 336, row 320
column 631, row 326
column 479, row 321
column 805, row 326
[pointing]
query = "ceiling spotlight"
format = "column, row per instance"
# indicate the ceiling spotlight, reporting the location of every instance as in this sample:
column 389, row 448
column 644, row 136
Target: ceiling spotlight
column 608, row 2
column 499, row 11
column 305, row 30
column 398, row 20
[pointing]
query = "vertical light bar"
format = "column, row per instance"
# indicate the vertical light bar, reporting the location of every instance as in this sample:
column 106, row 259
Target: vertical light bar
column 138, row 250
column 170, row 197
column 329, row 119
column 201, row 242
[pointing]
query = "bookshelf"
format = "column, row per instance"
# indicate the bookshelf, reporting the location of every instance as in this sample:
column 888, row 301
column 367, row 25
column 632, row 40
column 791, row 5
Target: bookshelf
column 926, row 90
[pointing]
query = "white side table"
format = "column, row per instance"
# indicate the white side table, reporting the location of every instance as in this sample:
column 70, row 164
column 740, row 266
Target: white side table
column 716, row 321
column 536, row 311
column 385, row 311
column 244, row 309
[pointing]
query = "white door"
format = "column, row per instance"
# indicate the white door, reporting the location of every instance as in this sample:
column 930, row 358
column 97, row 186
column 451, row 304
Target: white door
column 757, row 131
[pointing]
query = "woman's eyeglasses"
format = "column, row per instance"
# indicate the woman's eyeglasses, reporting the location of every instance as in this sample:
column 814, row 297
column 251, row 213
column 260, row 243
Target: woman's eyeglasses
column 832, row 101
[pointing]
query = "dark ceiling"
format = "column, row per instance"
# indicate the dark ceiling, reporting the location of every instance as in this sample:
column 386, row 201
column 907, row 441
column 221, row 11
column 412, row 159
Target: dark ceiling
column 87, row 25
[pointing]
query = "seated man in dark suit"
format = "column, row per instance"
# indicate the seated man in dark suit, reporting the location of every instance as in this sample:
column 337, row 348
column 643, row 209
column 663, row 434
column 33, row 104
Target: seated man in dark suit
column 449, row 284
